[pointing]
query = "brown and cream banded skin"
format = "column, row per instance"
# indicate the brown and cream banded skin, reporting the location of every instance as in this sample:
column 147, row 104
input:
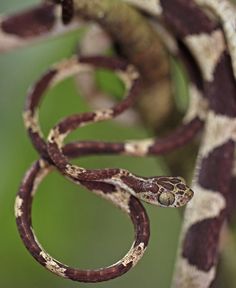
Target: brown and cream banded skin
column 205, row 215
column 203, row 37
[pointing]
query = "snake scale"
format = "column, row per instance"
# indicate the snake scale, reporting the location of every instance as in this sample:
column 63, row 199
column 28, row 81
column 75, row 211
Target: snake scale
column 204, row 28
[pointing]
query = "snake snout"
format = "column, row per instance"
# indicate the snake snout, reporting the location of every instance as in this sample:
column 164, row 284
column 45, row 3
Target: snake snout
column 188, row 195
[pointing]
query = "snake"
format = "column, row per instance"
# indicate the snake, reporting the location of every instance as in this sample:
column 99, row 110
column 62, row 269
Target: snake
column 212, row 46
column 115, row 184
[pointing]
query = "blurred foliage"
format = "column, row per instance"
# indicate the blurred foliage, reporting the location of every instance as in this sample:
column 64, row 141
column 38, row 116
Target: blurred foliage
column 73, row 225
column 110, row 83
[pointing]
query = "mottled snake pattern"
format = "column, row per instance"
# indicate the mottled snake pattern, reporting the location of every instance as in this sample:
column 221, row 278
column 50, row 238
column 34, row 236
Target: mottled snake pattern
column 204, row 28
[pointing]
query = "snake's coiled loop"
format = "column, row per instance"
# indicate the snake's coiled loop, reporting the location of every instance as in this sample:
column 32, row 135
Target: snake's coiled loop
column 117, row 185
column 121, row 198
column 23, row 217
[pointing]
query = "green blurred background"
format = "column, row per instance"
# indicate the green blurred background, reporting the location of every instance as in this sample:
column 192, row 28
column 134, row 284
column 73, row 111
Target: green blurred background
column 73, row 225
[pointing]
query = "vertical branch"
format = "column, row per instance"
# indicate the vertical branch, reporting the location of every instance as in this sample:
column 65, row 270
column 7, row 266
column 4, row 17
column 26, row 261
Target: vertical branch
column 140, row 44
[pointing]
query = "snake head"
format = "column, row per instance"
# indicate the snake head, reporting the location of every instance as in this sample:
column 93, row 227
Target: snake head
column 166, row 191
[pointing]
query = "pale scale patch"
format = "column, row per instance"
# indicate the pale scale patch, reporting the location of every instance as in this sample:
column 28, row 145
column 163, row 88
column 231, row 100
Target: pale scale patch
column 219, row 130
column 73, row 170
column 120, row 199
column 153, row 7
column 207, row 50
column 55, row 136
column 18, row 205
column 43, row 164
column 187, row 275
column 138, row 148
column 68, row 68
column 103, row 115
column 128, row 76
column 52, row 265
column 204, row 205
column 31, row 121
column 226, row 11
column 198, row 105
column 134, row 255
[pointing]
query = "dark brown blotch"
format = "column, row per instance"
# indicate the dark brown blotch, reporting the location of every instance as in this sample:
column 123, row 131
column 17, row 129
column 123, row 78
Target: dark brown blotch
column 200, row 245
column 175, row 180
column 31, row 23
column 181, row 186
column 180, row 192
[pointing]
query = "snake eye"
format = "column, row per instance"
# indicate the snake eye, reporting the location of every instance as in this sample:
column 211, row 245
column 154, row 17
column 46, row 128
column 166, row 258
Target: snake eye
column 166, row 198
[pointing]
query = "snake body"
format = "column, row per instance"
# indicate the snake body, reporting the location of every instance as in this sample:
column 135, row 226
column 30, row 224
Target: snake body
column 204, row 39
column 116, row 185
